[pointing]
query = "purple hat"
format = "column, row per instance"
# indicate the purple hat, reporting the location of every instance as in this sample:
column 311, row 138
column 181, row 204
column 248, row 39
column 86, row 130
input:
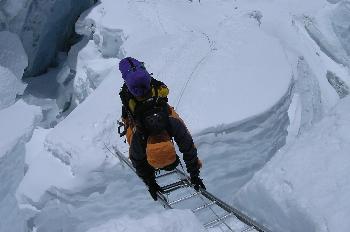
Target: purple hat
column 135, row 75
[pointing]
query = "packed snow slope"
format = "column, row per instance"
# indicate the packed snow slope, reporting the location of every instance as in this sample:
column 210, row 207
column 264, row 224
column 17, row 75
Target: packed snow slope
column 246, row 76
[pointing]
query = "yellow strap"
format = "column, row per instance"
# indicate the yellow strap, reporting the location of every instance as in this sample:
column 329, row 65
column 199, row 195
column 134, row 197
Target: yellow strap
column 163, row 91
column 132, row 105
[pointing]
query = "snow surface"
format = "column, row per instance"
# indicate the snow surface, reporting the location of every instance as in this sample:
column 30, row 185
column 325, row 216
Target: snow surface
column 255, row 81
column 40, row 161
column 78, row 140
column 90, row 68
column 172, row 221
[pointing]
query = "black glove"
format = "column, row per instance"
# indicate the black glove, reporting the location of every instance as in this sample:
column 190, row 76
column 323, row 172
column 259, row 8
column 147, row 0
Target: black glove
column 153, row 188
column 193, row 166
column 197, row 183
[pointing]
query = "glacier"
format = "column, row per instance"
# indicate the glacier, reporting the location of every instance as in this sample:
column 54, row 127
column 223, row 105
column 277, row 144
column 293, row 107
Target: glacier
column 262, row 85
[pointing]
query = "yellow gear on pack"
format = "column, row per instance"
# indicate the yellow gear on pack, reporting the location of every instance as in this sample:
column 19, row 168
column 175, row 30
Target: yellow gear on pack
column 162, row 91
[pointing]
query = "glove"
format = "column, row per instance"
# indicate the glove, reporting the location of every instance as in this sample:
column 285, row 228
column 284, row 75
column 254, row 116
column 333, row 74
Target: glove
column 193, row 166
column 197, row 183
column 153, row 188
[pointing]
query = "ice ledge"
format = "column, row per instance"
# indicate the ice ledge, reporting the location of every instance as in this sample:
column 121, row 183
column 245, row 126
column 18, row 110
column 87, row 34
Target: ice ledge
column 305, row 187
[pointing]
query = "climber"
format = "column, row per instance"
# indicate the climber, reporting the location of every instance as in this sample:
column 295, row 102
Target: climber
column 151, row 124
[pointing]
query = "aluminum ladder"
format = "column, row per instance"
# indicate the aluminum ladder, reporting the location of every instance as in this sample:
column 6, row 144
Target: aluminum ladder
column 178, row 193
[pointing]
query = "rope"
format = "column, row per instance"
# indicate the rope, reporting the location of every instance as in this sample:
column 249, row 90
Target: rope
column 211, row 49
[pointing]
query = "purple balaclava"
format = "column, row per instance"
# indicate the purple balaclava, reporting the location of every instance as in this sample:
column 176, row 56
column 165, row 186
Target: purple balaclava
column 135, row 75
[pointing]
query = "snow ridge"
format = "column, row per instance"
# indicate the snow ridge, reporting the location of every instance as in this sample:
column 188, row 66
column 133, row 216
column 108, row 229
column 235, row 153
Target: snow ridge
column 246, row 146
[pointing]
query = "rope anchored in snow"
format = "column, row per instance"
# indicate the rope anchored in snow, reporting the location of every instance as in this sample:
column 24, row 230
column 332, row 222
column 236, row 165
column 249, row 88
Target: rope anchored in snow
column 178, row 192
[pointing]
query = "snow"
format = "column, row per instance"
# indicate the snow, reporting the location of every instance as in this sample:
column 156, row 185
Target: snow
column 172, row 220
column 15, row 131
column 90, row 121
column 90, row 67
column 39, row 161
column 221, row 52
column 315, row 199
column 14, row 126
column 78, row 140
column 258, row 84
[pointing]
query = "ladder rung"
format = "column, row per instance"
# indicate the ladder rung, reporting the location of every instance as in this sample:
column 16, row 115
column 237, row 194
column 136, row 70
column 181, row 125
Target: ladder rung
column 184, row 198
column 250, row 228
column 174, row 186
column 204, row 206
column 166, row 174
column 217, row 221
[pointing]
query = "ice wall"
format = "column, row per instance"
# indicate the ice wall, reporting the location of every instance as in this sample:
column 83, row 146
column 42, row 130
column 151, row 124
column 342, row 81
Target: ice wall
column 15, row 131
column 305, row 187
column 45, row 27
column 341, row 24
column 13, row 61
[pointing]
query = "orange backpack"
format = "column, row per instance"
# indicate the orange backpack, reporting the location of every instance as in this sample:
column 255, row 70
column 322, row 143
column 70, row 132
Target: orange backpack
column 160, row 150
